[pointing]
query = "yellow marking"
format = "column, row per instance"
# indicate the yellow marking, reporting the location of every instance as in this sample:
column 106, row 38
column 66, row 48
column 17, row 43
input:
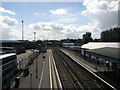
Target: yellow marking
column 50, row 72
column 87, row 66
column 75, row 59
column 54, row 77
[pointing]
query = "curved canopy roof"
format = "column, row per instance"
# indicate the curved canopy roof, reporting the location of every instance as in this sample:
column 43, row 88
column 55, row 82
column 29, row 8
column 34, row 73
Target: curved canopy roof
column 96, row 45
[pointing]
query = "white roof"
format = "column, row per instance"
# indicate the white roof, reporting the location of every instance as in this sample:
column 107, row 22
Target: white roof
column 7, row 55
column 95, row 45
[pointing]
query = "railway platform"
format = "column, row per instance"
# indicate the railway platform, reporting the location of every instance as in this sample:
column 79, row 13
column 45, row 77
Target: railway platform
column 103, row 72
column 90, row 66
column 42, row 73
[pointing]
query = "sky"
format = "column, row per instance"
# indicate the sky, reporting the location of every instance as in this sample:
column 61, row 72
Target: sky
column 57, row 20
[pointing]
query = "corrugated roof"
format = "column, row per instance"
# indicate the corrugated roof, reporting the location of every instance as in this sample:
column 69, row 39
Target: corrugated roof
column 95, row 45
column 107, row 51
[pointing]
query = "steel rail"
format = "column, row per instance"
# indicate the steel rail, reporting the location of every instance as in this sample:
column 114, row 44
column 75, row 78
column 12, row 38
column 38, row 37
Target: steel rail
column 65, row 72
column 81, row 74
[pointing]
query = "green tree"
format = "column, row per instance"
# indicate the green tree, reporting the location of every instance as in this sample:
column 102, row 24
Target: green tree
column 87, row 38
column 111, row 35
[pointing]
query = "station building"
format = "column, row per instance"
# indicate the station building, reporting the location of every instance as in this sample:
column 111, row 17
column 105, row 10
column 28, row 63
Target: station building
column 97, row 45
column 13, row 43
column 68, row 44
column 103, row 53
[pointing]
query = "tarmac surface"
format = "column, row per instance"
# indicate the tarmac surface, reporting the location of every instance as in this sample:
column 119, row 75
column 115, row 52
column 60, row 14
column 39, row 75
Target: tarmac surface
column 39, row 73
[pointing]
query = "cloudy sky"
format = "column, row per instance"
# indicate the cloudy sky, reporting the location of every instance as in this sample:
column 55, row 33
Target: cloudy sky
column 57, row 20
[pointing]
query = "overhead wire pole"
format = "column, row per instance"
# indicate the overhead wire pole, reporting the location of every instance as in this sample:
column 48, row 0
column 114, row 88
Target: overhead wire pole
column 22, row 30
column 34, row 36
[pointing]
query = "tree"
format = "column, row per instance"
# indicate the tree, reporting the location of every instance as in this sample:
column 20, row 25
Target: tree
column 87, row 38
column 78, row 42
column 111, row 35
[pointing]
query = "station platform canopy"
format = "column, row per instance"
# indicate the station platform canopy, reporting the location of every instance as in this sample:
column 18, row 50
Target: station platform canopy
column 96, row 45
column 107, row 51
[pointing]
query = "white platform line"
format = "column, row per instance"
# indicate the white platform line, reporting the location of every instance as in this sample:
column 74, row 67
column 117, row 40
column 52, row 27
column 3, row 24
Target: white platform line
column 58, row 77
column 50, row 72
column 41, row 78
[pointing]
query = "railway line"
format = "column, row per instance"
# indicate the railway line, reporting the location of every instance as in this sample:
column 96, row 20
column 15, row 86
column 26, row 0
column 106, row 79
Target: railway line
column 67, row 81
column 73, row 75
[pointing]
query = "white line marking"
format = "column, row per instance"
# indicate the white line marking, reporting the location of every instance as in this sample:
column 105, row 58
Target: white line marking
column 58, row 77
column 50, row 71
column 41, row 78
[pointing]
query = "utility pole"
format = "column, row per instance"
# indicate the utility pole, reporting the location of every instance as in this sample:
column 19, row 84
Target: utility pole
column 34, row 36
column 22, row 30
column 36, row 57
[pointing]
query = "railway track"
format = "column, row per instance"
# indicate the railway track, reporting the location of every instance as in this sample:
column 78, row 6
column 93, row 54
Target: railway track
column 72, row 75
column 65, row 77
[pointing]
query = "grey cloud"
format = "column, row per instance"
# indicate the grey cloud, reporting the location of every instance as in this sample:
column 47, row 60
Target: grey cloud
column 37, row 27
column 9, row 21
column 7, row 24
